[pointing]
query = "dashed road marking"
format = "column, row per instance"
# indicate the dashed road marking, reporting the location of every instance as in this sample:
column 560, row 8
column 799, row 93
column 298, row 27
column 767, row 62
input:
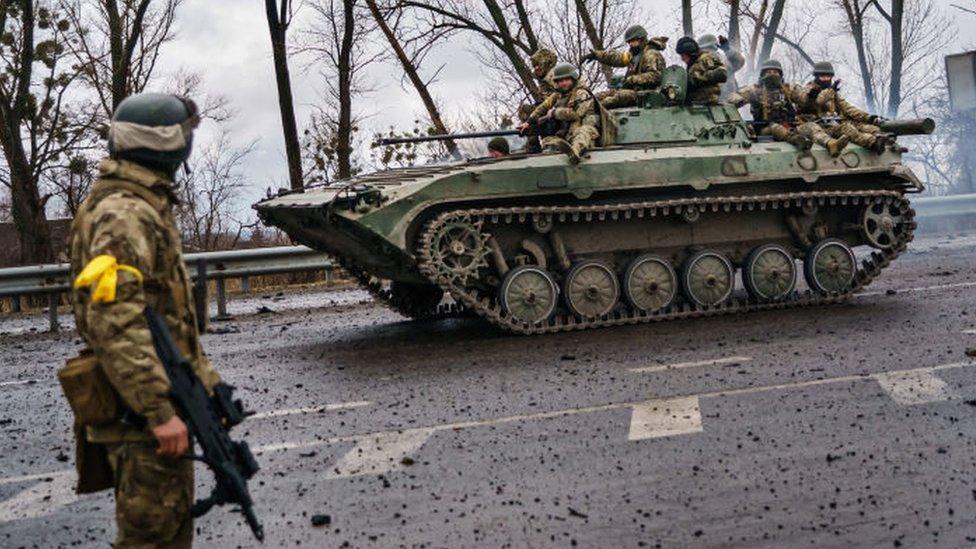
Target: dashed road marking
column 311, row 410
column 681, row 365
column 919, row 289
column 665, row 418
column 41, row 498
column 915, row 387
column 969, row 332
column 379, row 454
column 19, row 382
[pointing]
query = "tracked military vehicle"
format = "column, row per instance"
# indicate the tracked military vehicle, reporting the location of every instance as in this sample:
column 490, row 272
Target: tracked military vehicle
column 653, row 226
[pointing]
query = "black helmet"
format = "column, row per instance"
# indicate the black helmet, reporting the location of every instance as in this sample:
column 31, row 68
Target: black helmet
column 687, row 45
column 131, row 135
column 823, row 68
column 635, row 32
column 499, row 144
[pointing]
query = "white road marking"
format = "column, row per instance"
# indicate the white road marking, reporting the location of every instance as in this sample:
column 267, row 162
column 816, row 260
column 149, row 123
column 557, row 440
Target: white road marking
column 19, row 382
column 919, row 289
column 915, row 387
column 379, row 454
column 311, row 410
column 969, row 332
column 665, row 418
column 680, row 365
column 40, row 499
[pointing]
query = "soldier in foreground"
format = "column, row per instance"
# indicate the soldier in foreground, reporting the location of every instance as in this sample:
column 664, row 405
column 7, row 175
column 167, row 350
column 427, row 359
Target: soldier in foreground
column 543, row 62
column 820, row 102
column 644, row 63
column 126, row 231
column 706, row 72
column 573, row 107
column 734, row 61
column 773, row 111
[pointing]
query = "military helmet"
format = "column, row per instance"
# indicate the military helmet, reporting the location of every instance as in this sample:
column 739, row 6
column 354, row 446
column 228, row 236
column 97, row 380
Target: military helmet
column 708, row 42
column 771, row 64
column 823, row 68
column 635, row 32
column 565, row 70
column 499, row 144
column 687, row 45
column 142, row 130
column 544, row 58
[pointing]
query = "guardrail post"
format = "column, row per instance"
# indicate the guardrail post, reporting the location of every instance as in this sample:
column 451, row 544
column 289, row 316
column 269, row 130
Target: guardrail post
column 53, row 299
column 246, row 284
column 15, row 303
column 328, row 275
column 221, row 300
column 200, row 296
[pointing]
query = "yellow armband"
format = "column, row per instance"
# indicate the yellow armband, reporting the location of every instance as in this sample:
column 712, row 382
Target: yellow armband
column 102, row 273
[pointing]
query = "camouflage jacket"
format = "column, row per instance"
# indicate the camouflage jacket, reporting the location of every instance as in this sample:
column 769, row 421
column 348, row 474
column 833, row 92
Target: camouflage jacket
column 705, row 77
column 573, row 108
column 815, row 102
column 135, row 224
column 643, row 70
column 768, row 105
column 547, row 84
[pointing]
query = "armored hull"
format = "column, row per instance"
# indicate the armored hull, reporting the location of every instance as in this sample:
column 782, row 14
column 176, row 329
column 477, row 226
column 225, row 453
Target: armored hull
column 660, row 225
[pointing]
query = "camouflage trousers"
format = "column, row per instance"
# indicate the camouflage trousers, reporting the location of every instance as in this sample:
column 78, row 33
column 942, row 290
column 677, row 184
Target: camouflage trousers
column 815, row 132
column 615, row 99
column 581, row 138
column 153, row 496
column 778, row 132
column 865, row 135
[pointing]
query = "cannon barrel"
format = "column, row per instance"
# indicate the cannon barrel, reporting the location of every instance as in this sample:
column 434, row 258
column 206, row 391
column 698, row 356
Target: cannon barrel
column 918, row 126
column 445, row 137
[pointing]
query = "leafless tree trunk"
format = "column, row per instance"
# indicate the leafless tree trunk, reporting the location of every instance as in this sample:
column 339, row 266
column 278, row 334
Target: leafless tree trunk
column 411, row 71
column 734, row 12
column 592, row 33
column 344, row 74
column 854, row 11
column 896, row 20
column 769, row 37
column 687, row 19
column 279, row 19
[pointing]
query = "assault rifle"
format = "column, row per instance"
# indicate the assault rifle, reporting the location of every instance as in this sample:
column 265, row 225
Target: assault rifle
column 209, row 420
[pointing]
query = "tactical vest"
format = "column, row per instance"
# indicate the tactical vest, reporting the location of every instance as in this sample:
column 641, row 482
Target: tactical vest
column 772, row 105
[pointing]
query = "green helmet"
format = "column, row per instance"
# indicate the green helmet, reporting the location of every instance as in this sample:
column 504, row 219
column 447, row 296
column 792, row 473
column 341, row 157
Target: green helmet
column 635, row 32
column 135, row 132
column 771, row 64
column 687, row 45
column 708, row 42
column 565, row 70
column 499, row 144
column 823, row 68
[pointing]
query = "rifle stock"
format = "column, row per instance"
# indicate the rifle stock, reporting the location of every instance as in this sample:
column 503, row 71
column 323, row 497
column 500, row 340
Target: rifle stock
column 209, row 420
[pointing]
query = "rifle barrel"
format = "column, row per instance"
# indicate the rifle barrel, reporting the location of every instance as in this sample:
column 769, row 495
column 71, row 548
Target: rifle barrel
column 445, row 137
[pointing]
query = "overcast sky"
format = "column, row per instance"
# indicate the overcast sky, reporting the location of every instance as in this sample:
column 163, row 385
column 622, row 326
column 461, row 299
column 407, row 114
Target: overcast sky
column 227, row 41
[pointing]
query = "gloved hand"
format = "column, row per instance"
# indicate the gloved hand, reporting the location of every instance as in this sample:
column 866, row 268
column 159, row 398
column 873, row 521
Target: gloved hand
column 836, row 85
column 723, row 43
column 588, row 57
column 877, row 119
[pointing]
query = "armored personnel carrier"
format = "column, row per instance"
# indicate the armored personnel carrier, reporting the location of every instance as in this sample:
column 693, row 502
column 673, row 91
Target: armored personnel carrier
column 658, row 224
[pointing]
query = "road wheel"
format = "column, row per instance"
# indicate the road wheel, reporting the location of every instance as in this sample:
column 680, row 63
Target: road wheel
column 591, row 289
column 707, row 278
column 650, row 283
column 769, row 273
column 830, row 267
column 529, row 294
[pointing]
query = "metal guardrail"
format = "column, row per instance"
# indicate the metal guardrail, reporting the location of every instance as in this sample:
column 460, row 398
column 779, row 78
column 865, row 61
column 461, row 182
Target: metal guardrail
column 55, row 279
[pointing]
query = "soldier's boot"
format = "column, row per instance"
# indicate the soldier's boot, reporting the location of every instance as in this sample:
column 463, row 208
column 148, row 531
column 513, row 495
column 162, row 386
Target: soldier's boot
column 836, row 146
column 799, row 141
column 878, row 144
column 553, row 143
column 569, row 150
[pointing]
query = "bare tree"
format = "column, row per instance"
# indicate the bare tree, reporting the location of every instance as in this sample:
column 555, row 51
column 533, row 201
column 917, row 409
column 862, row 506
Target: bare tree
column 39, row 127
column 279, row 19
column 687, row 18
column 210, row 212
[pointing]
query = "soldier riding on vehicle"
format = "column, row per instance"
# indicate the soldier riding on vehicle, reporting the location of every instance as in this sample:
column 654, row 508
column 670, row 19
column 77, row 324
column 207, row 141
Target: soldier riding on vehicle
column 706, row 72
column 644, row 63
column 543, row 62
column 820, row 102
column 773, row 111
column 573, row 107
column 734, row 61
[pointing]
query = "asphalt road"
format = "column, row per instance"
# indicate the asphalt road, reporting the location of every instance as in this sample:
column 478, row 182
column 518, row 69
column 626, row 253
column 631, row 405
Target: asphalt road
column 827, row 427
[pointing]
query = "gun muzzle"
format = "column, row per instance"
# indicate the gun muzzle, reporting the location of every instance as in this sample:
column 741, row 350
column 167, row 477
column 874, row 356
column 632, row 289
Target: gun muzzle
column 919, row 126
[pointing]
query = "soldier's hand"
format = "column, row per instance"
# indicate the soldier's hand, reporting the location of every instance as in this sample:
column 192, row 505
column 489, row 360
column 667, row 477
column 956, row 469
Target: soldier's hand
column 836, row 85
column 723, row 43
column 588, row 57
column 173, row 438
column 877, row 119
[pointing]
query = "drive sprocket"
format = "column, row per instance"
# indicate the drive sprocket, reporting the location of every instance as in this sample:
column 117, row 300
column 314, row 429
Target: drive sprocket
column 459, row 249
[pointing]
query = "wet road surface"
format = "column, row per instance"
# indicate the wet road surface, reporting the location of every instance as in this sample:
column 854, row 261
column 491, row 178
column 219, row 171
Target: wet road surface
column 835, row 426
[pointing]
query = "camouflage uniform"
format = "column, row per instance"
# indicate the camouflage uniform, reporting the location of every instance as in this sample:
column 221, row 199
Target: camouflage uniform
column 576, row 110
column 773, row 106
column 706, row 74
column 135, row 225
column 545, row 60
column 643, row 72
column 815, row 102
